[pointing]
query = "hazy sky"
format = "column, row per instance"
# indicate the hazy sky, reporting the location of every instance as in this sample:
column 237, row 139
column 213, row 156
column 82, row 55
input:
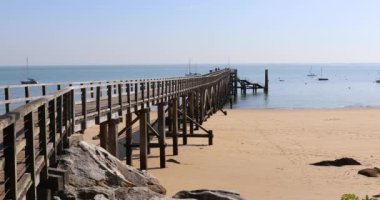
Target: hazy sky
column 171, row 31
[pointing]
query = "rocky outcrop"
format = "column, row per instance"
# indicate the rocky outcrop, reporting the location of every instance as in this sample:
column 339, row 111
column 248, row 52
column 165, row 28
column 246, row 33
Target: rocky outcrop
column 93, row 173
column 337, row 163
column 96, row 174
column 205, row 194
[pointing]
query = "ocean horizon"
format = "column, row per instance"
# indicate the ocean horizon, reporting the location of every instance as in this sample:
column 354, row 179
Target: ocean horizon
column 349, row 85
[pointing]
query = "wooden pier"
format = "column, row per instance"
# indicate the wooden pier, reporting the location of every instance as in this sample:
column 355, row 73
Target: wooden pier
column 34, row 134
column 245, row 84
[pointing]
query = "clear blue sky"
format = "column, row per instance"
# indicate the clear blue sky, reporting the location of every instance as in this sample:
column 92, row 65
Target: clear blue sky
column 171, row 31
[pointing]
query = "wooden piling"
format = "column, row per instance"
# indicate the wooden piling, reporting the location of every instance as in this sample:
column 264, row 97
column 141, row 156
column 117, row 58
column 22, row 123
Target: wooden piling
column 143, row 139
column 103, row 134
column 128, row 138
column 112, row 136
column 161, row 132
column 184, row 120
column 191, row 107
column 175, row 125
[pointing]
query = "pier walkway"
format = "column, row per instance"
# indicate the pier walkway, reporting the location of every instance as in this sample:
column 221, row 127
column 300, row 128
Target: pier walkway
column 34, row 134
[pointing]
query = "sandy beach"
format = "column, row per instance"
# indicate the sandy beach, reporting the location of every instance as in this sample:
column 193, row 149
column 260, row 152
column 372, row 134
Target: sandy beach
column 266, row 154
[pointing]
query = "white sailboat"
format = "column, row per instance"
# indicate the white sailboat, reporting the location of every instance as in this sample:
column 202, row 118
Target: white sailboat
column 28, row 80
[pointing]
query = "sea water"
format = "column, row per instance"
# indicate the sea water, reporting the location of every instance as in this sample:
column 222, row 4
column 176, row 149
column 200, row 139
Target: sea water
column 349, row 85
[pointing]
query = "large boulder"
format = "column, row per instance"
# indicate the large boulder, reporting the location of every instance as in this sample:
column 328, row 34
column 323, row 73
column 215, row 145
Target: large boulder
column 206, row 194
column 96, row 174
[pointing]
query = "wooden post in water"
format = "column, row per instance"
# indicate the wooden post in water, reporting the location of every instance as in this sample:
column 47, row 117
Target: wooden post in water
column 266, row 86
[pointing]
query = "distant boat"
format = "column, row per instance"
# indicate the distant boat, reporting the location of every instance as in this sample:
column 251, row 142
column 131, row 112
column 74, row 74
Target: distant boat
column 378, row 80
column 28, row 80
column 192, row 73
column 321, row 78
column 311, row 74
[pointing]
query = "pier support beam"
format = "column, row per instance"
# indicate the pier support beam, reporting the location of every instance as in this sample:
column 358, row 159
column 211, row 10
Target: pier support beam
column 184, row 120
column 143, row 139
column 161, row 132
column 128, row 138
column 174, row 121
column 191, row 106
column 109, row 135
column 103, row 134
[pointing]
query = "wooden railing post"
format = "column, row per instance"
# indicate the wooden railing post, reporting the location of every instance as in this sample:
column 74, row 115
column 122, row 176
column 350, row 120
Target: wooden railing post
column 60, row 123
column 84, row 107
column 136, row 96
column 92, row 91
column 30, row 155
column 72, row 112
column 43, row 140
column 27, row 94
column 53, row 128
column 142, row 89
column 98, row 95
column 6, row 97
column 10, row 157
column 109, row 95
column 120, row 97
column 148, row 94
column 43, row 90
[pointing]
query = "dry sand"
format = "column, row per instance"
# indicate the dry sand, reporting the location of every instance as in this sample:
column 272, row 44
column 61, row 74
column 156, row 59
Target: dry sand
column 265, row 154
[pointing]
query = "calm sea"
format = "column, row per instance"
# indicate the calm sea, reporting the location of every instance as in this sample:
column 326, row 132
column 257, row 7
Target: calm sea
column 349, row 85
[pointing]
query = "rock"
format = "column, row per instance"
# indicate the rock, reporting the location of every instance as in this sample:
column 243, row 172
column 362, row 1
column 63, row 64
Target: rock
column 370, row 172
column 138, row 193
column 96, row 137
column 173, row 161
column 337, row 162
column 96, row 174
column 205, row 194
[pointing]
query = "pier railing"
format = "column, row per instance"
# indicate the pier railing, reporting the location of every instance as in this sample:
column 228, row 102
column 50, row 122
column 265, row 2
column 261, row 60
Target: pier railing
column 32, row 135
